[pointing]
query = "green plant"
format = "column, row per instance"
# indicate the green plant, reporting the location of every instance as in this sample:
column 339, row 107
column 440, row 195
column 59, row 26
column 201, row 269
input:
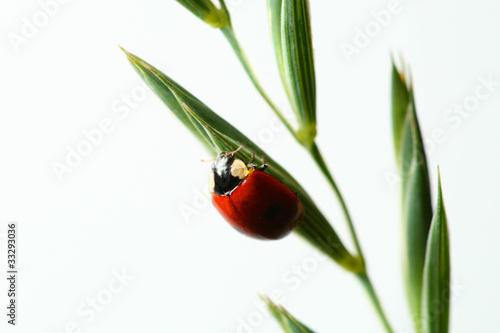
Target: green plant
column 425, row 241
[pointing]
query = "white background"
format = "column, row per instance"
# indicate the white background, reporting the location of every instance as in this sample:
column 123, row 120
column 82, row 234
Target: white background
column 119, row 208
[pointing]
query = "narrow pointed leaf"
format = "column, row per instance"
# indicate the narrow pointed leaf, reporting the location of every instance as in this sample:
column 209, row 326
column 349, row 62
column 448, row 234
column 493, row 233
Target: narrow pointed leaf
column 416, row 210
column 436, row 290
column 297, row 66
column 219, row 135
column 287, row 322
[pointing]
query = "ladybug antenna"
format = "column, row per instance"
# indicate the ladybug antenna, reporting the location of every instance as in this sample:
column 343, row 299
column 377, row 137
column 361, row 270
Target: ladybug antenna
column 213, row 159
column 234, row 152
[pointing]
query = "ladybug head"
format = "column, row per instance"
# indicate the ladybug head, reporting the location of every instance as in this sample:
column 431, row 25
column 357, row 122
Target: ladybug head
column 227, row 172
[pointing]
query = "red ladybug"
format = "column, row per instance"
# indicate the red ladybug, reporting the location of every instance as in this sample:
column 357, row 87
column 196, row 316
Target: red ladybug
column 252, row 201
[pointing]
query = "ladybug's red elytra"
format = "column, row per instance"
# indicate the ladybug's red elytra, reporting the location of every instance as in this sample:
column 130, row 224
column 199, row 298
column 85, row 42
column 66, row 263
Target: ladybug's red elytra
column 252, row 201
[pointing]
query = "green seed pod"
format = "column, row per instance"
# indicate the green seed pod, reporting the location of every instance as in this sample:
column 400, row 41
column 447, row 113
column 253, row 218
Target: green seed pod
column 291, row 33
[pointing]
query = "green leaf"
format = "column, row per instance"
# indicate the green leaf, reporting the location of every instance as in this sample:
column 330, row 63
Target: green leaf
column 436, row 290
column 291, row 32
column 287, row 322
column 416, row 211
column 207, row 12
column 219, row 135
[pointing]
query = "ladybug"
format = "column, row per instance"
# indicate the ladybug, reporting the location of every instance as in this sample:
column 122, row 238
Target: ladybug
column 252, row 201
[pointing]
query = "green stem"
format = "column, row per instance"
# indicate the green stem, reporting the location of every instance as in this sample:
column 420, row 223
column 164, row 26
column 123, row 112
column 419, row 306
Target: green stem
column 366, row 282
column 318, row 158
column 231, row 38
column 363, row 277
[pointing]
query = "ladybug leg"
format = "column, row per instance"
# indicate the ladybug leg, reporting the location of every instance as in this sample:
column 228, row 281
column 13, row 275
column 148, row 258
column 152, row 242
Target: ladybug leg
column 251, row 160
column 263, row 166
column 251, row 164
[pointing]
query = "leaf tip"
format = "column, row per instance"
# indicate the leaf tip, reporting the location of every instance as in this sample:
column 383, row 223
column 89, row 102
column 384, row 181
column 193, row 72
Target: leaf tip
column 129, row 55
column 440, row 192
column 403, row 70
column 263, row 297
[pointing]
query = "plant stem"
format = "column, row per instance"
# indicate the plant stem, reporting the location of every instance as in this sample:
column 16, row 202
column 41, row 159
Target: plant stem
column 363, row 277
column 366, row 282
column 318, row 158
column 231, row 38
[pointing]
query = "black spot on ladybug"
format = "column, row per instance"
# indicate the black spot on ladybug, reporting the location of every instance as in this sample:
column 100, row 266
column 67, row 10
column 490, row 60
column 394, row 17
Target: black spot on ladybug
column 272, row 211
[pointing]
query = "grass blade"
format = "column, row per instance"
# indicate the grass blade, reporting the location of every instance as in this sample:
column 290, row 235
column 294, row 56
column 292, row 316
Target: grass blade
column 436, row 290
column 416, row 211
column 287, row 322
column 219, row 135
